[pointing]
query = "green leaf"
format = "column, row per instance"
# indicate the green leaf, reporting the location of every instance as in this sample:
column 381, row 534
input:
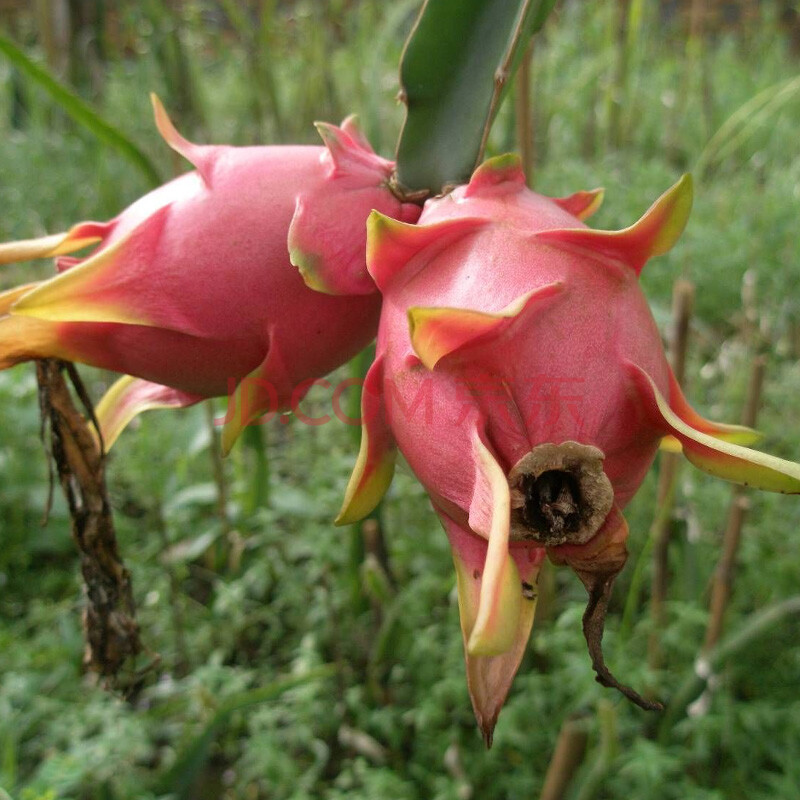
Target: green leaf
column 179, row 780
column 754, row 115
column 756, row 627
column 189, row 549
column 458, row 61
column 80, row 111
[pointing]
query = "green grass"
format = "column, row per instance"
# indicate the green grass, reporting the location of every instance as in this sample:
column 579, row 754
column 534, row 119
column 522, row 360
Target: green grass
column 295, row 600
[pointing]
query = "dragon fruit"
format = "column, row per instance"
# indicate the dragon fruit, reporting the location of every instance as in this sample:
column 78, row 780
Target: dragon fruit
column 521, row 374
column 190, row 290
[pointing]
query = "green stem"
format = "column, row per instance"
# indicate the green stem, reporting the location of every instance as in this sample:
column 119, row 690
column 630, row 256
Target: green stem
column 637, row 579
column 220, row 481
column 258, row 489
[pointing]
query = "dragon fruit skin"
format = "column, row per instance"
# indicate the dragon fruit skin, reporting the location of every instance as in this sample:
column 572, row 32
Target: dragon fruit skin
column 191, row 289
column 497, row 299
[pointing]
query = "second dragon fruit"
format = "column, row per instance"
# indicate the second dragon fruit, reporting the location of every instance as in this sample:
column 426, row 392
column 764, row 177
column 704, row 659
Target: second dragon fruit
column 521, row 374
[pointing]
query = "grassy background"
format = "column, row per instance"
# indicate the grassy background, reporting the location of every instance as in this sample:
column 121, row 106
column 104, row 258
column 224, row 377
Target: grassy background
column 236, row 603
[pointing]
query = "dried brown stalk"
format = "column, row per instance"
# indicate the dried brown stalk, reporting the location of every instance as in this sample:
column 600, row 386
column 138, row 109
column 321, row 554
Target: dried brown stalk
column 682, row 302
column 723, row 575
column 567, row 757
column 109, row 618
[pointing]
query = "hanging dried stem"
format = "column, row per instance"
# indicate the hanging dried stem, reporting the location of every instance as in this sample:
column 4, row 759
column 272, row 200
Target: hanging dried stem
column 599, row 586
column 110, row 627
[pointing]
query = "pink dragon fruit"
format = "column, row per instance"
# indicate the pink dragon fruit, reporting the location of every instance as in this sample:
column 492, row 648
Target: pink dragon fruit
column 190, row 289
column 521, row 374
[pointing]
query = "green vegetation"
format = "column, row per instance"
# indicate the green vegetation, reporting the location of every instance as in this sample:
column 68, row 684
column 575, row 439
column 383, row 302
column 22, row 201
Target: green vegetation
column 290, row 666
